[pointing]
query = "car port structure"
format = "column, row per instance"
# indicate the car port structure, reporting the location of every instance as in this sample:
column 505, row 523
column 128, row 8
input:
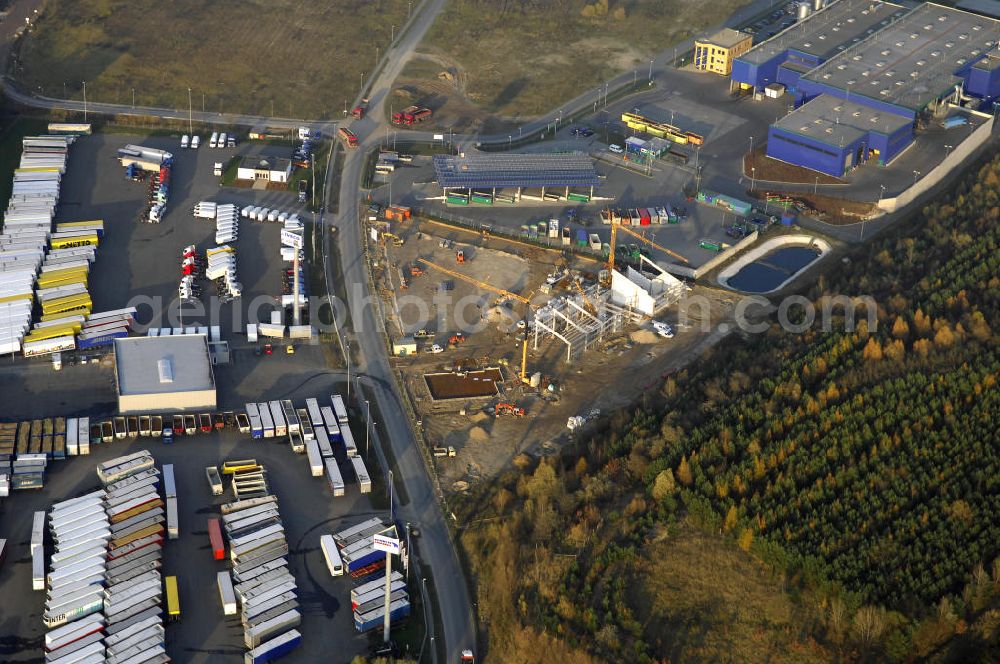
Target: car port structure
column 486, row 178
column 866, row 76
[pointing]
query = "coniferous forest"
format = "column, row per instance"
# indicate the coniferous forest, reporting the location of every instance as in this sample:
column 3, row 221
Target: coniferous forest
column 818, row 496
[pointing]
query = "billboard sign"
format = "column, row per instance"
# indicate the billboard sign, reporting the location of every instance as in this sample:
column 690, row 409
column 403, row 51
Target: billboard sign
column 387, row 544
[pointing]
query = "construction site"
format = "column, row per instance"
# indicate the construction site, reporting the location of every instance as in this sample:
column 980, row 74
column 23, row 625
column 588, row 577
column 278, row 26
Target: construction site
column 505, row 346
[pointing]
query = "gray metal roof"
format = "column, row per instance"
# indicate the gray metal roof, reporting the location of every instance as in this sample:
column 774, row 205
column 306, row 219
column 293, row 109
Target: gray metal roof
column 913, row 61
column 724, row 38
column 138, row 364
column 837, row 122
column 515, row 170
column 829, row 31
column 988, row 7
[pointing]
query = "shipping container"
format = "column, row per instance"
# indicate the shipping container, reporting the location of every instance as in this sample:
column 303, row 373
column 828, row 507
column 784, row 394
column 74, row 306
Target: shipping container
column 278, row 418
column 315, row 415
column 333, row 477
column 215, row 538
column 315, row 459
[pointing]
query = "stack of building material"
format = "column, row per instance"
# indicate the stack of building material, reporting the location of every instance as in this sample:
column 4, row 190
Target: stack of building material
column 262, row 583
column 227, row 224
column 132, row 599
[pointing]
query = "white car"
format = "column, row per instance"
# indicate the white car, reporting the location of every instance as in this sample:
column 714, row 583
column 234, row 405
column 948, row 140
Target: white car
column 436, row 348
column 663, row 329
column 617, row 149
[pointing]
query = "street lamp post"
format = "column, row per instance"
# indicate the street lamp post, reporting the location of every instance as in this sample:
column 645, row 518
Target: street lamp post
column 916, row 174
column 753, row 177
column 190, row 120
column 947, row 150
column 510, row 142
column 362, row 82
column 133, row 98
column 635, row 77
column 816, row 185
column 347, row 354
column 84, row 101
column 650, row 71
column 392, row 34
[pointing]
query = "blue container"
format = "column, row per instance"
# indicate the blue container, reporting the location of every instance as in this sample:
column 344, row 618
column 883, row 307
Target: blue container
column 788, row 218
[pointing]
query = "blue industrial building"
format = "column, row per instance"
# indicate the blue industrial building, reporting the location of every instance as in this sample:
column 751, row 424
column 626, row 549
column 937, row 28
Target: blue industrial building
column 879, row 70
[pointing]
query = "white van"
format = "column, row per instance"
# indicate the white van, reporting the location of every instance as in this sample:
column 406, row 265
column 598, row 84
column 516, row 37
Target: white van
column 184, row 141
column 222, row 140
column 214, row 140
column 195, row 142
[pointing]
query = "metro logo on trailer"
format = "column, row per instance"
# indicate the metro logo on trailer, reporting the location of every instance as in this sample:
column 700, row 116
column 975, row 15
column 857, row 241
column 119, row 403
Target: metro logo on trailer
column 387, row 544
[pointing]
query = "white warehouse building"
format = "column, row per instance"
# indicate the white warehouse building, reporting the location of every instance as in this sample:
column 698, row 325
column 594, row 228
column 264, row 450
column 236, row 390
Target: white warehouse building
column 157, row 374
column 270, row 169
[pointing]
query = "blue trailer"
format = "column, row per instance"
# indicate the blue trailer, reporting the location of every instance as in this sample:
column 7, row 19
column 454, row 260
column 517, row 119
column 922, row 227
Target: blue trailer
column 103, row 340
column 375, row 618
column 274, row 649
column 364, row 560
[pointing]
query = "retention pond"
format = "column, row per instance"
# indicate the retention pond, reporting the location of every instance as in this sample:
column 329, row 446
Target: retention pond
column 773, row 264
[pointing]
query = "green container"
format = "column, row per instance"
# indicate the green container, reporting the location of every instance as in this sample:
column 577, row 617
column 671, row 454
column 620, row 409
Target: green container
column 580, row 198
column 484, row 200
column 457, row 200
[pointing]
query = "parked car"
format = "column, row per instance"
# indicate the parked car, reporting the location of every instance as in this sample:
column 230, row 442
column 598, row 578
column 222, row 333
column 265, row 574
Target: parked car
column 617, row 149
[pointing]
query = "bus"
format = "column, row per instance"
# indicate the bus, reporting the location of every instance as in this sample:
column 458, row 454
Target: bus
column 333, row 561
column 173, row 600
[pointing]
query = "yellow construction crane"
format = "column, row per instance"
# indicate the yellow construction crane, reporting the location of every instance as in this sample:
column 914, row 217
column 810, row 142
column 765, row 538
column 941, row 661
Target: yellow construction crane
column 499, row 291
column 588, row 305
column 615, row 227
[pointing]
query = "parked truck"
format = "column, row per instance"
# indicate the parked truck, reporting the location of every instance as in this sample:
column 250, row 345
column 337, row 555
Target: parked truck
column 348, row 136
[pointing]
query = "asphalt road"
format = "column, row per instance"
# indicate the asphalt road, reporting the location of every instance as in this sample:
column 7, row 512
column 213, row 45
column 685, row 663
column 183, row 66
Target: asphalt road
column 369, row 354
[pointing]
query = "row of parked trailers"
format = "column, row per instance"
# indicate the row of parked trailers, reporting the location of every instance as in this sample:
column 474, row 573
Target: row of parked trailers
column 313, row 430
column 260, row 586
column 26, row 236
column 358, row 555
column 105, row 591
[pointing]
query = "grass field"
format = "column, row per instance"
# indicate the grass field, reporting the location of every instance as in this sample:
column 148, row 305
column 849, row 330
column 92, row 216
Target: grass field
column 523, row 58
column 305, row 59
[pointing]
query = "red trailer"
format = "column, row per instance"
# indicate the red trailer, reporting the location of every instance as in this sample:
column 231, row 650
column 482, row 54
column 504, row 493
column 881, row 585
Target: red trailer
column 644, row 218
column 422, row 114
column 215, row 537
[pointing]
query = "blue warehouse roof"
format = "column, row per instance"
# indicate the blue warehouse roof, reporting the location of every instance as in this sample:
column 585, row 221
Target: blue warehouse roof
column 838, row 122
column 515, row 170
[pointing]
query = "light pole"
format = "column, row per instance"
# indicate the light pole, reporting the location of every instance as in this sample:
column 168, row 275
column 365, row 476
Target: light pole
column 510, row 142
column 133, row 98
column 347, row 354
column 816, row 186
column 392, row 34
column 947, row 150
column 376, row 57
column 362, row 83
column 916, row 174
column 650, row 71
column 753, row 178
column 635, row 78
column 409, row 6
column 368, row 426
column 84, row 101
column 190, row 120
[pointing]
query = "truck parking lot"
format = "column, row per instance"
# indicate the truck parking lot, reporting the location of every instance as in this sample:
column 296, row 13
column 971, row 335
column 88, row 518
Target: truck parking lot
column 139, row 263
column 203, row 634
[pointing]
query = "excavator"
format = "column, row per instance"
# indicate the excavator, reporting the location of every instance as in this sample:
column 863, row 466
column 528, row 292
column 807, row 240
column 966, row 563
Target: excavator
column 499, row 291
column 505, row 408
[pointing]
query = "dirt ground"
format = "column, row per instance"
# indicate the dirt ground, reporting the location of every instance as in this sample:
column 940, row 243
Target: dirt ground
column 831, row 209
column 613, row 375
column 775, row 170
